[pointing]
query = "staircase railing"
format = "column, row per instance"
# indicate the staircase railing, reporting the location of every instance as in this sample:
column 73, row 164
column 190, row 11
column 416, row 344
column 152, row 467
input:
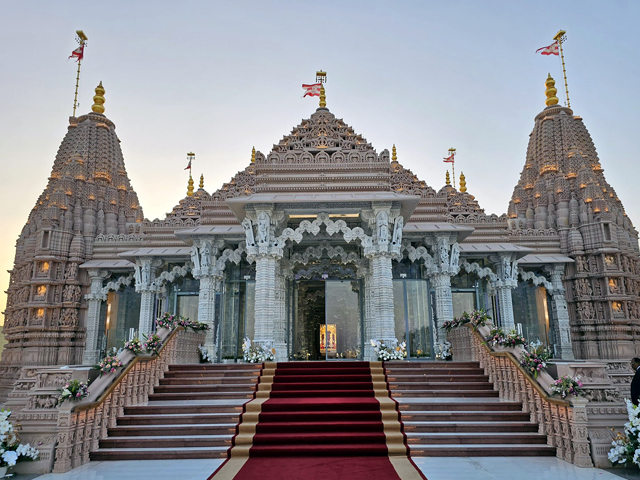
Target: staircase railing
column 564, row 422
column 81, row 425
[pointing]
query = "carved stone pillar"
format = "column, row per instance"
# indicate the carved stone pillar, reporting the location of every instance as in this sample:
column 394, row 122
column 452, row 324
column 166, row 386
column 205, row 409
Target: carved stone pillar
column 280, row 317
column 266, row 305
column 209, row 285
column 145, row 275
column 381, row 293
column 560, row 314
column 507, row 271
column 94, row 301
column 441, row 283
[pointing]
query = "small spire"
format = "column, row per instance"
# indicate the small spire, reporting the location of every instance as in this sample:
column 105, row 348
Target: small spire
column 447, row 179
column 253, row 155
column 394, row 156
column 190, row 186
column 551, row 92
column 463, row 183
column 98, row 99
column 201, row 181
column 323, row 97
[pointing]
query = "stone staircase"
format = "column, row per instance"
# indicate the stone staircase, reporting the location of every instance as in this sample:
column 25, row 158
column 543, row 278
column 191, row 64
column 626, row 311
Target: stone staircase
column 192, row 413
column 450, row 409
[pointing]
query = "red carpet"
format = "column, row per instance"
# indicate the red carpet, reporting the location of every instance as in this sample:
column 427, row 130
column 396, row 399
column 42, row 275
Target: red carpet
column 320, row 420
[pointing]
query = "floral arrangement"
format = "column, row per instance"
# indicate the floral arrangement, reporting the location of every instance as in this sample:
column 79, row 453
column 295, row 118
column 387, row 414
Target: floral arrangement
column 477, row 318
column 10, row 447
column 73, row 390
column 443, row 351
column 194, row 325
column 256, row 353
column 109, row 364
column 535, row 358
column 384, row 352
column 497, row 337
column 205, row 357
column 625, row 449
column 135, row 345
column 152, row 344
column 166, row 321
column 567, row 385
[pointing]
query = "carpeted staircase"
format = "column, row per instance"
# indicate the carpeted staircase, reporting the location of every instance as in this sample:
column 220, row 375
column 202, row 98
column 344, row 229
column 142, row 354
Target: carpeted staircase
column 450, row 409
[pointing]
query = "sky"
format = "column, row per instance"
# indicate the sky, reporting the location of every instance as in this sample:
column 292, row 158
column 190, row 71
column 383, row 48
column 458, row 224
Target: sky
column 220, row 77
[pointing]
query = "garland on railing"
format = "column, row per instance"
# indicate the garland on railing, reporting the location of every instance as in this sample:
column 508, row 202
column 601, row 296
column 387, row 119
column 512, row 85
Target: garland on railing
column 152, row 344
column 567, row 385
column 170, row 322
column 74, row 390
column 134, row 345
column 535, row 358
column 109, row 364
column 477, row 318
column 498, row 338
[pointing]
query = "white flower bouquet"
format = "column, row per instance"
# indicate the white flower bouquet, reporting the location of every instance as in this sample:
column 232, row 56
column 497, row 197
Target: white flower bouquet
column 11, row 450
column 256, row 353
column 385, row 353
column 625, row 448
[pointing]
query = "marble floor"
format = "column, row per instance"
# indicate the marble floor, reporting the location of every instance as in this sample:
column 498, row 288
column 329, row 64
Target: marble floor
column 435, row 468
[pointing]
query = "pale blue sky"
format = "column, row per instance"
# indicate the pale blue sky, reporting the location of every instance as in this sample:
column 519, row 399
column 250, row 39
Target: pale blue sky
column 217, row 78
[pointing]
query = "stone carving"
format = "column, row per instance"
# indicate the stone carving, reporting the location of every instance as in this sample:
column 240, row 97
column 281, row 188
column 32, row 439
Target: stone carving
column 69, row 317
column 382, row 226
column 195, row 257
column 248, row 231
column 263, row 228
column 586, row 310
column 71, row 293
column 72, row 271
column 397, row 230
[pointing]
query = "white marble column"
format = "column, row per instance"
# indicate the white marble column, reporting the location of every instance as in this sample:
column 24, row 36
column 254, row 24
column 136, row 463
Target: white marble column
column 145, row 275
column 209, row 285
column 94, row 301
column 507, row 272
column 383, row 325
column 266, row 305
column 560, row 314
column 280, row 318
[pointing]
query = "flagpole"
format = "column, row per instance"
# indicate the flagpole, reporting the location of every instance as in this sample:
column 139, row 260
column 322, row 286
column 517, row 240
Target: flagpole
column 560, row 37
column 82, row 40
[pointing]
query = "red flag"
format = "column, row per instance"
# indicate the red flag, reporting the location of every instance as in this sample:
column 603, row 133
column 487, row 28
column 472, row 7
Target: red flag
column 449, row 159
column 189, row 166
column 312, row 90
column 78, row 53
column 552, row 49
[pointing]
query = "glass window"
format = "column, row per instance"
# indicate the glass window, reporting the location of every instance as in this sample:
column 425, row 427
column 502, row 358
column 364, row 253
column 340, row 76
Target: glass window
column 530, row 310
column 411, row 316
column 122, row 317
column 463, row 302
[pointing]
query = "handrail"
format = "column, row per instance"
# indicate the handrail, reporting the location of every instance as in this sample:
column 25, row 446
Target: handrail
column 515, row 361
column 96, row 403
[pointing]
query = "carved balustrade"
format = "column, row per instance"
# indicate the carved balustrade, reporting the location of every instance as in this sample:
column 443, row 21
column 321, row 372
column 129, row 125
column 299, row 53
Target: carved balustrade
column 82, row 424
column 564, row 422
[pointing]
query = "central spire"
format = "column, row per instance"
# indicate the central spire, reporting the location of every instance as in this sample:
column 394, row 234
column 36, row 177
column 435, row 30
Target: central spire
column 98, row 99
column 551, row 92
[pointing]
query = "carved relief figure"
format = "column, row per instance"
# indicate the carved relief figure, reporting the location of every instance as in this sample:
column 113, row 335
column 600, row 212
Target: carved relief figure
column 382, row 222
column 205, row 255
column 69, row 317
column 455, row 255
column 59, row 271
column 72, row 271
column 263, row 228
column 195, row 259
column 443, row 255
column 397, row 230
column 586, row 310
column 248, row 232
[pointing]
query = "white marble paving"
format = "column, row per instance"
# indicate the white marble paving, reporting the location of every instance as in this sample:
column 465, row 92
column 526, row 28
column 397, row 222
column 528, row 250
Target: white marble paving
column 140, row 470
column 434, row 468
column 506, row 468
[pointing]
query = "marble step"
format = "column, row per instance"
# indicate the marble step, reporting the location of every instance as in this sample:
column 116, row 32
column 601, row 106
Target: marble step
column 211, row 374
column 181, row 409
column 172, row 453
column 248, row 395
column 466, row 438
column 482, row 450
column 222, row 388
column 172, row 429
column 430, row 385
column 178, row 419
column 453, row 427
column 176, row 441
column 202, row 380
column 216, row 366
column 458, row 416
column 448, row 393
column 470, row 405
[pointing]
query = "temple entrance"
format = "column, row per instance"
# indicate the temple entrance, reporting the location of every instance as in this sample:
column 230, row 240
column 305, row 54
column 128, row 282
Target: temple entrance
column 327, row 320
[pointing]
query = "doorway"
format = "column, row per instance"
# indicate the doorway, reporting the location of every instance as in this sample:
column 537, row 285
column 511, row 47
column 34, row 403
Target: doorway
column 327, row 320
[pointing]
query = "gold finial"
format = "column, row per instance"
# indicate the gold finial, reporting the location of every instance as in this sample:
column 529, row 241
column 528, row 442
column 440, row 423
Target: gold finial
column 98, row 99
column 551, row 92
column 253, row 155
column 190, row 187
column 201, row 181
column 394, row 156
column 323, row 97
column 463, row 183
column 447, row 179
